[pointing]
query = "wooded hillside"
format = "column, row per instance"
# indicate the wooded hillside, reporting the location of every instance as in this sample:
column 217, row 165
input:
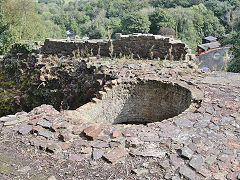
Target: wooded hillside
column 188, row 20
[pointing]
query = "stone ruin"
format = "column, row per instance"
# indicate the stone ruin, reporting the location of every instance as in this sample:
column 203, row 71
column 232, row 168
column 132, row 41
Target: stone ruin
column 132, row 103
column 186, row 120
column 135, row 45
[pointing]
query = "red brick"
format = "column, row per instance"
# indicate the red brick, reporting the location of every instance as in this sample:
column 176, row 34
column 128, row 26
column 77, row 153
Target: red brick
column 116, row 134
column 91, row 132
column 89, row 129
column 94, row 134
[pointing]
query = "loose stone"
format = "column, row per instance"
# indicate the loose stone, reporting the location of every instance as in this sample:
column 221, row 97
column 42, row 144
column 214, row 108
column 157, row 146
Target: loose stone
column 76, row 157
column 91, row 132
column 176, row 178
column 187, row 172
column 151, row 139
column 34, row 121
column 45, row 133
column 185, row 152
column 115, row 155
column 24, row 129
column 86, row 150
column 196, row 162
column 140, row 171
column 149, row 153
column 44, row 123
column 24, row 169
column 52, row 178
column 116, row 134
column 100, row 145
column 53, row 148
column 97, row 154
column 128, row 133
column 176, row 161
column 65, row 136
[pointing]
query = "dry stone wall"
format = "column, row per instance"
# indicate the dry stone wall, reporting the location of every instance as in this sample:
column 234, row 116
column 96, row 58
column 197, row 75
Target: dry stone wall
column 134, row 45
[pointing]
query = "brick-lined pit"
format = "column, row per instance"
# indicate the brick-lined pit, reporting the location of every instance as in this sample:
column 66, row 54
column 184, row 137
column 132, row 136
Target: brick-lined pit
column 136, row 103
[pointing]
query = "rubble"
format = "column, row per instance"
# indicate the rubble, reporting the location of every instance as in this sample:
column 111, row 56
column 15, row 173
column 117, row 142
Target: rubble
column 202, row 142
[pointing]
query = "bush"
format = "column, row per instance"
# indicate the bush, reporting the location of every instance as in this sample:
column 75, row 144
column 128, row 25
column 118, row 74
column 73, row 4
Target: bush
column 22, row 47
column 234, row 39
column 165, row 31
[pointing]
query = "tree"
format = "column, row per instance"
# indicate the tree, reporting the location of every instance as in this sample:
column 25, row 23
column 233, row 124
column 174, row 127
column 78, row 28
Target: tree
column 195, row 22
column 174, row 3
column 165, row 31
column 237, row 25
column 163, row 3
column 79, row 23
column 135, row 23
column 234, row 65
column 226, row 11
column 19, row 21
column 119, row 8
column 184, row 26
column 207, row 20
column 99, row 26
column 115, row 25
column 160, row 18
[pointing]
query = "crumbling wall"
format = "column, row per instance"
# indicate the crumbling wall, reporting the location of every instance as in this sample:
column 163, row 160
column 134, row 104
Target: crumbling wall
column 134, row 45
column 28, row 82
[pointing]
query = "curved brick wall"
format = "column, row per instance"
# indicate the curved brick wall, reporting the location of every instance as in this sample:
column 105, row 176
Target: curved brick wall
column 142, row 102
column 134, row 45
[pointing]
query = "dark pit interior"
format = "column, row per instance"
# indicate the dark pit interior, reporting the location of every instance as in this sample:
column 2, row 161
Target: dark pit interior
column 153, row 101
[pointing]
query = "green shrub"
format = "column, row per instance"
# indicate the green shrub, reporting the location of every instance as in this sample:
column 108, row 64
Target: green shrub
column 22, row 47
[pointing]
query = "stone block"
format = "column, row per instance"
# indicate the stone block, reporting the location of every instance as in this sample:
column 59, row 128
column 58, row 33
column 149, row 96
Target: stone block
column 91, row 132
column 115, row 155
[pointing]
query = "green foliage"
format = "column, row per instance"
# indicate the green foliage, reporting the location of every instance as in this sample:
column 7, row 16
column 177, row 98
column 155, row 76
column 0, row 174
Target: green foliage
column 14, row 83
column 160, row 18
column 174, row 3
column 99, row 26
column 115, row 25
column 195, row 22
column 227, row 12
column 19, row 21
column 210, row 23
column 234, row 65
column 23, row 47
column 135, row 23
column 190, row 19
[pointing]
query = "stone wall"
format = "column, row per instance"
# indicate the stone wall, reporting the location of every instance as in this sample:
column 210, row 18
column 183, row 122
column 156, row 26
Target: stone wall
column 215, row 60
column 134, row 45
column 136, row 102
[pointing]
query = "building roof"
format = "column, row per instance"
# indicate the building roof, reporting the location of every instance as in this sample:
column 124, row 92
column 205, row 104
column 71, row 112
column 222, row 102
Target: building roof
column 68, row 33
column 210, row 38
column 210, row 45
